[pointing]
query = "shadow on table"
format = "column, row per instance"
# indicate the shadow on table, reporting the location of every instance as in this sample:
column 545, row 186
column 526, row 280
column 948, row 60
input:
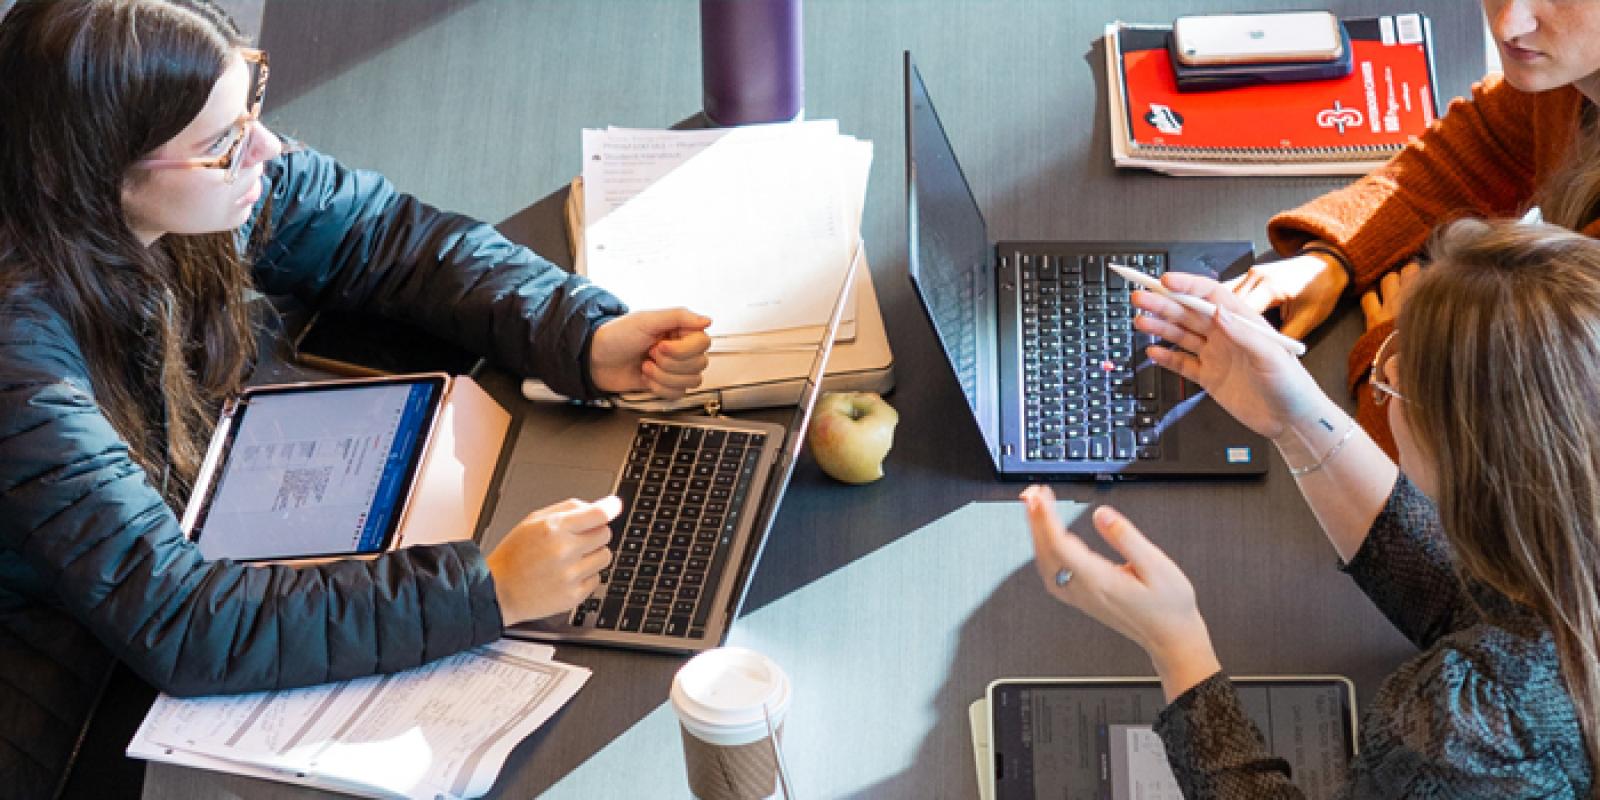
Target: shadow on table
column 990, row 647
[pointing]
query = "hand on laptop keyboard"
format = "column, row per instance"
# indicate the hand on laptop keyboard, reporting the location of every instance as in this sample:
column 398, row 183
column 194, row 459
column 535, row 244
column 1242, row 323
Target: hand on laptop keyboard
column 551, row 560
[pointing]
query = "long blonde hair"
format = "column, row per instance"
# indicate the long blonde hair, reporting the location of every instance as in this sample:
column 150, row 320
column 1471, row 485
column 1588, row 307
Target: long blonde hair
column 1570, row 196
column 1500, row 366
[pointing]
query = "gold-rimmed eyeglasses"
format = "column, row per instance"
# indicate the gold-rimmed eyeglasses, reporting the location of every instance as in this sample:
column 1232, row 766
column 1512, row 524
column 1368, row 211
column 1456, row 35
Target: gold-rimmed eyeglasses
column 234, row 144
column 1382, row 390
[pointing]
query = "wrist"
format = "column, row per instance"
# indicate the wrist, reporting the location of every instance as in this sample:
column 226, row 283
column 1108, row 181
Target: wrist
column 1310, row 434
column 1338, row 263
column 502, row 594
column 595, row 381
column 1183, row 664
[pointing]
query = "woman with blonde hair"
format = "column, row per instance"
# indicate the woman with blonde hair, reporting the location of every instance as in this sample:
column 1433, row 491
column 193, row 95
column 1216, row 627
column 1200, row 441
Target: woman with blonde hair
column 1528, row 137
column 1483, row 547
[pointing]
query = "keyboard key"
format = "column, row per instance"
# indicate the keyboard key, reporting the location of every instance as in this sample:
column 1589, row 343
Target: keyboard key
column 631, row 617
column 1146, row 383
column 609, row 612
column 1122, row 445
column 1094, row 269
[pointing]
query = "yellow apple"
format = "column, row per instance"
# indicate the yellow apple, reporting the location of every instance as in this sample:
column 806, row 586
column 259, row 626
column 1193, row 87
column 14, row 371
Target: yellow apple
column 850, row 434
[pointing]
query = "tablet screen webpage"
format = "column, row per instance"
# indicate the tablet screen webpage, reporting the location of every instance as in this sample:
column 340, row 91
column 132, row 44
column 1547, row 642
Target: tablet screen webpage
column 1094, row 739
column 315, row 470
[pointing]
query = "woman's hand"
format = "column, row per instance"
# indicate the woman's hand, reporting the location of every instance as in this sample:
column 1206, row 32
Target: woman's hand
column 1243, row 368
column 1146, row 598
column 1306, row 288
column 1382, row 304
column 552, row 560
column 663, row 352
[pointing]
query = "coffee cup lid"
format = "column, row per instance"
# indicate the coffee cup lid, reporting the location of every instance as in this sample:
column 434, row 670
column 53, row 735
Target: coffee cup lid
column 719, row 695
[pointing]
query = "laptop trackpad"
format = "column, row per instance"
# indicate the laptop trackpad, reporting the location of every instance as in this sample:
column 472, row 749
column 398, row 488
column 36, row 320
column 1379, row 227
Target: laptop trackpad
column 533, row 485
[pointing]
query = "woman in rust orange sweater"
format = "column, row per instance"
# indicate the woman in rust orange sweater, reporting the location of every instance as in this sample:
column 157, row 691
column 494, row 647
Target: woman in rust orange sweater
column 1528, row 138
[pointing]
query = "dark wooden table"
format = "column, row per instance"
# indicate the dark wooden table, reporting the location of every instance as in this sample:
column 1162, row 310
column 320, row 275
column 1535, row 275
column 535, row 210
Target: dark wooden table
column 891, row 605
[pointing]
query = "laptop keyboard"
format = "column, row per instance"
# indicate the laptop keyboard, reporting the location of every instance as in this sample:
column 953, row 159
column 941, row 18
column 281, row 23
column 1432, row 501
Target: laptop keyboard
column 683, row 489
column 1085, row 396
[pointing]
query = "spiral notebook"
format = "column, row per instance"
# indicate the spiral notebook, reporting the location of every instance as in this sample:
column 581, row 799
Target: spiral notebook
column 1341, row 126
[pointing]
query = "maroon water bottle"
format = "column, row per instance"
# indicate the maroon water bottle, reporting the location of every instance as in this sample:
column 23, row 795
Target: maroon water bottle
column 751, row 61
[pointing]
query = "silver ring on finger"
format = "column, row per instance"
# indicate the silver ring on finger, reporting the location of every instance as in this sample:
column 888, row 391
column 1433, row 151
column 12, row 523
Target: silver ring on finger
column 1063, row 577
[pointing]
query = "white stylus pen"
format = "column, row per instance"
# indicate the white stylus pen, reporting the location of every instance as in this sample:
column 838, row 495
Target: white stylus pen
column 1193, row 303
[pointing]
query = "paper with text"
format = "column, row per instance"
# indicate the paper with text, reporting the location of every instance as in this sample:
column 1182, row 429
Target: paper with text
column 442, row 730
column 751, row 226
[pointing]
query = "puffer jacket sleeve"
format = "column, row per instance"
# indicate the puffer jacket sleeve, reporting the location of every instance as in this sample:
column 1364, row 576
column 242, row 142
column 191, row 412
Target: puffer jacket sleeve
column 75, row 505
column 347, row 239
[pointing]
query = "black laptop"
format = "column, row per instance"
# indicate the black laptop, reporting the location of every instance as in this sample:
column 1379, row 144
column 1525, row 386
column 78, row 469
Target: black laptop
column 700, row 495
column 1040, row 335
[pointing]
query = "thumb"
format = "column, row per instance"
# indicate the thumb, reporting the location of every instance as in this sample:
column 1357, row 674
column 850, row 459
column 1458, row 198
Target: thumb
column 1127, row 540
column 666, row 320
column 1298, row 319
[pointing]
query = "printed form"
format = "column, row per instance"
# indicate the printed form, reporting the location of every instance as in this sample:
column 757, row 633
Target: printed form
column 442, row 730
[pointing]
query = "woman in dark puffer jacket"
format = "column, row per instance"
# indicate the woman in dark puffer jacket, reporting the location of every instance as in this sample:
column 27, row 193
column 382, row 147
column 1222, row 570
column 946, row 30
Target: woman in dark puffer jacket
column 140, row 199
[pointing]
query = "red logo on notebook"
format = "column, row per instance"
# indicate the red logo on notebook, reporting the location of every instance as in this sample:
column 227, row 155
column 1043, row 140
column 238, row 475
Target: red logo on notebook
column 1338, row 117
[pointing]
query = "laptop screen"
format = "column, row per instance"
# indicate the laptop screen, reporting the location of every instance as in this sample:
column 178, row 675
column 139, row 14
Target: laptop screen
column 778, row 479
column 950, row 256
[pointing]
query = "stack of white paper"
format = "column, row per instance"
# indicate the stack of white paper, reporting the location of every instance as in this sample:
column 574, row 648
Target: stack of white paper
column 442, row 730
column 751, row 226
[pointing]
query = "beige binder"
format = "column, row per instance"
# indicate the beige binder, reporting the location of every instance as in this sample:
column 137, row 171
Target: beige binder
column 740, row 380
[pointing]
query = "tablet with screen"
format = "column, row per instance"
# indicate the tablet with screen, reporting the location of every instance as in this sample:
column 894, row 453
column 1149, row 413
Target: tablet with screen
column 1092, row 737
column 313, row 470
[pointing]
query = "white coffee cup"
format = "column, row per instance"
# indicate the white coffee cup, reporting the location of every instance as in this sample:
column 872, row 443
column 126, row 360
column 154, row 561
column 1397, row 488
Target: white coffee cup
column 725, row 699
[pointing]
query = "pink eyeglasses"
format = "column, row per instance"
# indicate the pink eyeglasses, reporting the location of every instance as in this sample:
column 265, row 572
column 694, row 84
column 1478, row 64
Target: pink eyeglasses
column 237, row 139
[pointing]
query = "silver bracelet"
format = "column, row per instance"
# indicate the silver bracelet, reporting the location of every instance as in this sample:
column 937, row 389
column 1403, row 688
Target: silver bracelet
column 1328, row 456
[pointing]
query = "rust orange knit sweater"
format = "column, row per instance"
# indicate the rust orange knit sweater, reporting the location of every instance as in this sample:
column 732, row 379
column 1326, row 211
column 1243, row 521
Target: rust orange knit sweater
column 1484, row 158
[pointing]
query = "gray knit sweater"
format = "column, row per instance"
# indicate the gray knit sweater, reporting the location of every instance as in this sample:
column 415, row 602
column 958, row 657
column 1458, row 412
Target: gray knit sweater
column 1481, row 712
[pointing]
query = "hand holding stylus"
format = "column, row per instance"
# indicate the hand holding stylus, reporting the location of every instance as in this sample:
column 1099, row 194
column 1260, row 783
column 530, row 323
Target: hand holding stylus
column 1200, row 306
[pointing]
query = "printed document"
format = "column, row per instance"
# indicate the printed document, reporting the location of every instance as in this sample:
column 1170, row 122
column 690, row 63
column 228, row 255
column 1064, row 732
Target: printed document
column 442, row 730
column 751, row 226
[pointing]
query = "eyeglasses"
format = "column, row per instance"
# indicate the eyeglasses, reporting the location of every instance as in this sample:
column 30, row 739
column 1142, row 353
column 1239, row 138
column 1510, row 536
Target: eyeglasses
column 236, row 141
column 1382, row 390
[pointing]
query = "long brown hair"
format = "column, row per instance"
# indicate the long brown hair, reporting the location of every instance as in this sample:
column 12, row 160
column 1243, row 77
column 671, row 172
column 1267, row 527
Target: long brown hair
column 1570, row 197
column 90, row 87
column 1500, row 366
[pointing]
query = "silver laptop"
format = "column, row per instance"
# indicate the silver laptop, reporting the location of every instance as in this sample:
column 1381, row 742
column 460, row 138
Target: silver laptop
column 699, row 498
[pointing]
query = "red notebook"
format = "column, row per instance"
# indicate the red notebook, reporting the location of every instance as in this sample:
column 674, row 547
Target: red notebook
column 1340, row 126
